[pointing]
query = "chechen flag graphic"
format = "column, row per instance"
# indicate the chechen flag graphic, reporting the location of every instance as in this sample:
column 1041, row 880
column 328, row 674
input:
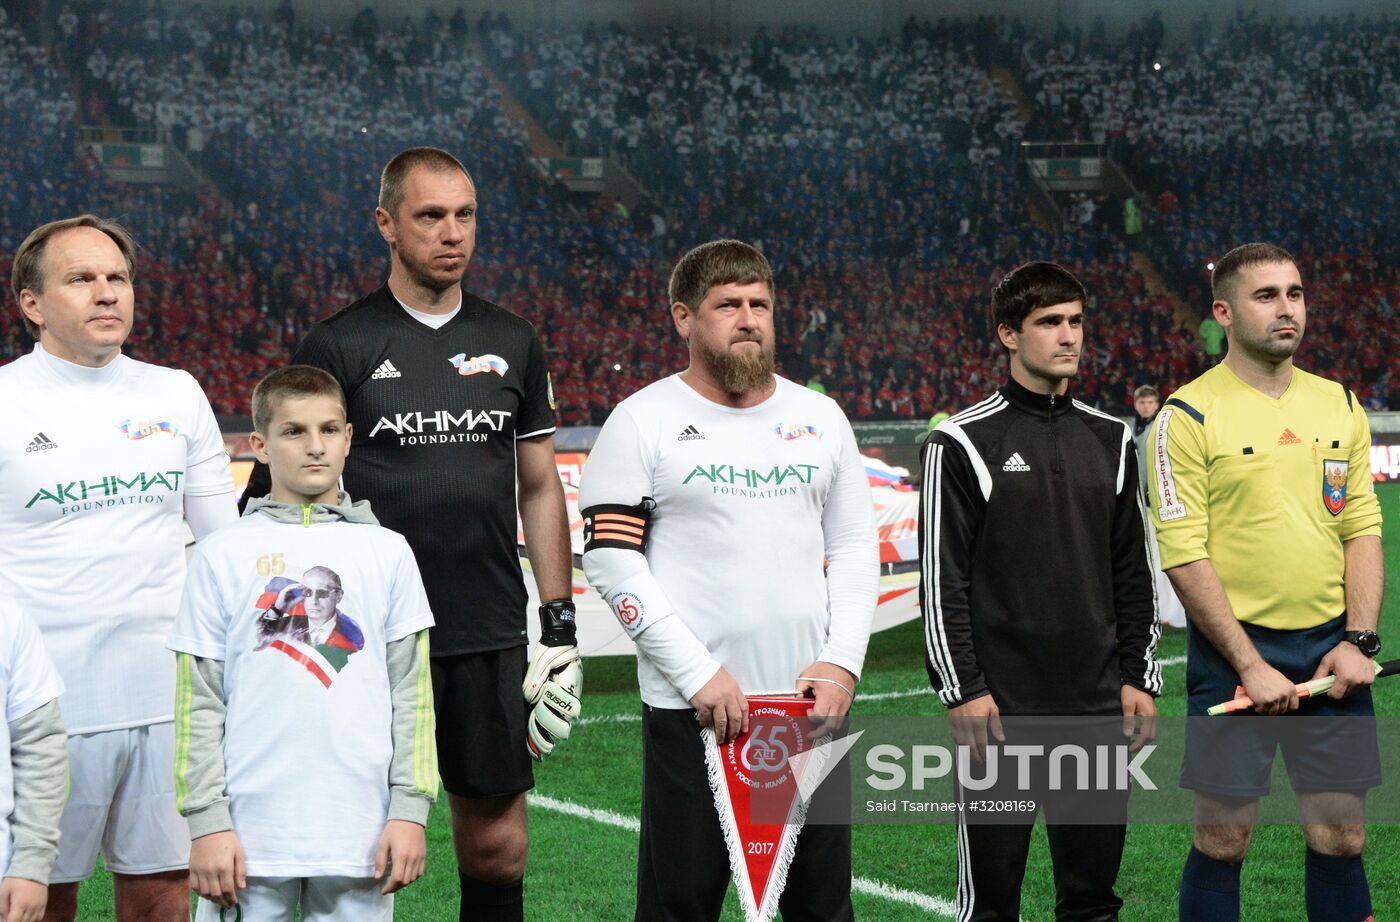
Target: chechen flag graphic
column 770, row 771
column 313, row 661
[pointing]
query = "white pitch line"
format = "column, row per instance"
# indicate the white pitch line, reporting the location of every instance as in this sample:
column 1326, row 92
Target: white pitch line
column 877, row 696
column 608, row 719
column 607, row 817
column 889, row 696
column 633, row 718
column 933, row 904
column 1172, row 661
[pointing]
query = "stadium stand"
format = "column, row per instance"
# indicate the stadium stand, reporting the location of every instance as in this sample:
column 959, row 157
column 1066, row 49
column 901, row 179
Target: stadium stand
column 1311, row 105
column 927, row 210
column 881, row 176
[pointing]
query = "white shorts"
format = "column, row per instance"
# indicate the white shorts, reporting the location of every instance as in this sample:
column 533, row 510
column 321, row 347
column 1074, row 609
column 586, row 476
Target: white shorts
column 322, row 899
column 121, row 803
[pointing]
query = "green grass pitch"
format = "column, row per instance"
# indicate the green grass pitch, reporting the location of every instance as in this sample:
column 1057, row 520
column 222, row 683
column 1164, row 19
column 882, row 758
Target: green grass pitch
column 583, row 867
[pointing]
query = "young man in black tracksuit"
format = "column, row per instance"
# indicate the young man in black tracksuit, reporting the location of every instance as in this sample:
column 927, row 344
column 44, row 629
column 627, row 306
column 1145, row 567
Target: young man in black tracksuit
column 1037, row 592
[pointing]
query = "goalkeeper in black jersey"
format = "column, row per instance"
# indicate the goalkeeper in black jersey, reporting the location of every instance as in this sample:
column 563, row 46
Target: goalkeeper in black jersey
column 451, row 406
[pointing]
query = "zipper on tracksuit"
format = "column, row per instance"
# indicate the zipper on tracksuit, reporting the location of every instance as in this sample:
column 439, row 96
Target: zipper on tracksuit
column 1054, row 442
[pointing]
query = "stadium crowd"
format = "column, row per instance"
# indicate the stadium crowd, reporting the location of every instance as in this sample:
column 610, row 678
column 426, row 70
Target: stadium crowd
column 880, row 176
column 671, row 107
column 1313, row 105
column 918, row 226
column 1259, row 83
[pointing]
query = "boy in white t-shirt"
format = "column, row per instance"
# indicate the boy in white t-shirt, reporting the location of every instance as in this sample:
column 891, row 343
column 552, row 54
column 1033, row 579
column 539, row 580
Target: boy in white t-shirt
column 33, row 781
column 305, row 755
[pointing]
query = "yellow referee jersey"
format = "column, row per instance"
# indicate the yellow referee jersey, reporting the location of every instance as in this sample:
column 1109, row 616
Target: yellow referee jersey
column 1266, row 489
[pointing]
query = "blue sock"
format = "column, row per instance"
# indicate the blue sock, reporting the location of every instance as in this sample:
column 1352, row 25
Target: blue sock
column 1210, row 890
column 1335, row 889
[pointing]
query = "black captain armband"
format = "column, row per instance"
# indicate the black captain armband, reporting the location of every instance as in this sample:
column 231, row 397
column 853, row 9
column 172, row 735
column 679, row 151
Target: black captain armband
column 622, row 527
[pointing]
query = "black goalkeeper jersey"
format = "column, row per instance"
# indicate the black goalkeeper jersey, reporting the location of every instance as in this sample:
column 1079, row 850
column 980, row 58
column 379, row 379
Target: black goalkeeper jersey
column 436, row 414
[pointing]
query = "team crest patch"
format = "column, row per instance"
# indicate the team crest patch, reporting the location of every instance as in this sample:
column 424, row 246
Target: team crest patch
column 789, row 431
column 479, row 363
column 137, row 430
column 1334, row 486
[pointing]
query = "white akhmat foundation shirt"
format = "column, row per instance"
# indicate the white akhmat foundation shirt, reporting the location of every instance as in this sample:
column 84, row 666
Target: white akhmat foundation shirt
column 94, row 469
column 763, row 538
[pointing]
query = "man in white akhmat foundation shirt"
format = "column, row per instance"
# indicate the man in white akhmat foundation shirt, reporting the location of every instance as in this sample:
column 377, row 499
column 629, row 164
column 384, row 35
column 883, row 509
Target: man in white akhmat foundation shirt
column 711, row 501
column 104, row 456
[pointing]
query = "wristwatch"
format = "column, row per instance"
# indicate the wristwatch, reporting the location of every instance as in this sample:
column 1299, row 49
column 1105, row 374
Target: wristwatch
column 1368, row 642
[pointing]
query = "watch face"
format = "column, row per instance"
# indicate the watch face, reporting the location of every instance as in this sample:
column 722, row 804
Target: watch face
column 1368, row 642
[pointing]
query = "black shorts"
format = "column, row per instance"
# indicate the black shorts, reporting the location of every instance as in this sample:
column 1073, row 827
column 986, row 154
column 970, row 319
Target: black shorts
column 481, row 715
column 1327, row 745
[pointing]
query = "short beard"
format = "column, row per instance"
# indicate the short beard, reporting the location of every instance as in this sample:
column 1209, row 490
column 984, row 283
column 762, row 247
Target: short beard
column 421, row 274
column 1280, row 349
column 741, row 372
column 1276, row 350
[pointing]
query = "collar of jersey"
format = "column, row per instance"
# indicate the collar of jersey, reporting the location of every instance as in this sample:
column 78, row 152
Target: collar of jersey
column 417, row 316
column 73, row 373
column 343, row 510
column 1031, row 402
column 721, row 408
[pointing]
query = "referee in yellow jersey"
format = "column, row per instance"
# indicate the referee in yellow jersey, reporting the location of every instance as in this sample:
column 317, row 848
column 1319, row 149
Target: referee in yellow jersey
column 1270, row 532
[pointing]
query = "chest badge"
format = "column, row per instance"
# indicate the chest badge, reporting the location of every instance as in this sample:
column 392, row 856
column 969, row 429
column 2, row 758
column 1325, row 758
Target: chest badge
column 479, row 363
column 789, row 431
column 1334, row 486
column 137, row 430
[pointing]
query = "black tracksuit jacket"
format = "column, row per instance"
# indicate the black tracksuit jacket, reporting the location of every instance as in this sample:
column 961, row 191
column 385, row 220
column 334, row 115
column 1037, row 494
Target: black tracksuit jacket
column 1036, row 582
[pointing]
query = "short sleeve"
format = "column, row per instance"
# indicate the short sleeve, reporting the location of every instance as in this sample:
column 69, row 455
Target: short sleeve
column 1362, row 515
column 320, row 349
column 207, row 469
column 201, row 625
column 1177, row 482
column 33, row 680
column 619, row 469
column 409, row 612
column 537, row 405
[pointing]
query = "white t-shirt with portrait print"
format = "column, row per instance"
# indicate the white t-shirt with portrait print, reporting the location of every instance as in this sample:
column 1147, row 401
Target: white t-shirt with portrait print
column 307, row 734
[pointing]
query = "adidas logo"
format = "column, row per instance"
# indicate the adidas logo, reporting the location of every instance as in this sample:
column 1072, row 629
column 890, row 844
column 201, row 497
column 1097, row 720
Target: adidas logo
column 1288, row 438
column 689, row 434
column 41, row 442
column 386, row 370
column 1015, row 463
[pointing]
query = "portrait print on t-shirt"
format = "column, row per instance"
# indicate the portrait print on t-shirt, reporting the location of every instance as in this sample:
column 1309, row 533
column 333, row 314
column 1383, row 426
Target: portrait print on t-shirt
column 304, row 621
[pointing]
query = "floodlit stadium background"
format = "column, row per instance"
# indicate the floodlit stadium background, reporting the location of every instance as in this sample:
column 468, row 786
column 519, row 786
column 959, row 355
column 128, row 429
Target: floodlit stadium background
column 892, row 158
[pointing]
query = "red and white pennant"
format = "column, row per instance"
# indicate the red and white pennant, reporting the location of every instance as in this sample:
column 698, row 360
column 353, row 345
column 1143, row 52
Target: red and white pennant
column 771, row 771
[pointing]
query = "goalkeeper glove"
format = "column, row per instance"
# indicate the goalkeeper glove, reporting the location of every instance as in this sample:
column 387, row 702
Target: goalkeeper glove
column 554, row 680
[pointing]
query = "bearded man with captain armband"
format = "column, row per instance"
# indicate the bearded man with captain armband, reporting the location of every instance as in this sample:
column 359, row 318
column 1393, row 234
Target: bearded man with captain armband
column 711, row 501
